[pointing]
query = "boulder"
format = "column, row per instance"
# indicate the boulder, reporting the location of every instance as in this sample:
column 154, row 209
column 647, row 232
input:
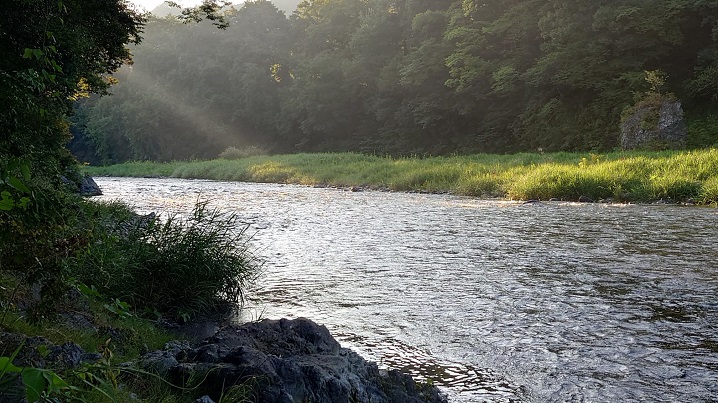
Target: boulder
column 85, row 186
column 655, row 125
column 88, row 187
column 286, row 361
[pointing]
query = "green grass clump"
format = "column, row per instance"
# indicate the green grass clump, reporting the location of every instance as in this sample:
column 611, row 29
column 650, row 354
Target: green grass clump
column 178, row 266
column 622, row 176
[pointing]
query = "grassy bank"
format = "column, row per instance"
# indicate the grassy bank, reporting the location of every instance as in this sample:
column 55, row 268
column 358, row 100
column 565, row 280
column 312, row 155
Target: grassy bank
column 82, row 274
column 620, row 176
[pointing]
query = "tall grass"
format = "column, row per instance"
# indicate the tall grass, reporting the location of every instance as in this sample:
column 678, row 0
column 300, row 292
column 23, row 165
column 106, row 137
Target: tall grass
column 622, row 176
column 180, row 266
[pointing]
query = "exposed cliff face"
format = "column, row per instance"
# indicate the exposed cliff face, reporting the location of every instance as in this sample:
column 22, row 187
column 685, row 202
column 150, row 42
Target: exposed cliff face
column 654, row 125
column 287, row 361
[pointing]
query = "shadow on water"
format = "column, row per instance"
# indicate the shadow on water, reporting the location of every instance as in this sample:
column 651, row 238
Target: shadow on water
column 470, row 382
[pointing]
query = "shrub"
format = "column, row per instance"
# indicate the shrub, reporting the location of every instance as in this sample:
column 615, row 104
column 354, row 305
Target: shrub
column 179, row 266
column 703, row 132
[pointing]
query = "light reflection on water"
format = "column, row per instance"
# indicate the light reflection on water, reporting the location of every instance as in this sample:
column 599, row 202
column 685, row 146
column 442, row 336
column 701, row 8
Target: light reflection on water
column 494, row 301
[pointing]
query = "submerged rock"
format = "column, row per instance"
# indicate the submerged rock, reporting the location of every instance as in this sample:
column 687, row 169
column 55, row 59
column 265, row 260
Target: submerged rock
column 286, row 361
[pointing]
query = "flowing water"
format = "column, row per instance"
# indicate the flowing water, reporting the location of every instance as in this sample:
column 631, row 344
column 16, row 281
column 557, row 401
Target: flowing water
column 491, row 300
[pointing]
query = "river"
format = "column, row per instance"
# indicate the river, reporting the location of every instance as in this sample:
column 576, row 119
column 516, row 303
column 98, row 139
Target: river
column 492, row 300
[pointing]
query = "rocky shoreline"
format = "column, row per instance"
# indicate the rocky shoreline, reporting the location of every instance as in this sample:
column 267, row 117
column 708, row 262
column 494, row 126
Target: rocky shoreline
column 272, row 361
column 285, row 361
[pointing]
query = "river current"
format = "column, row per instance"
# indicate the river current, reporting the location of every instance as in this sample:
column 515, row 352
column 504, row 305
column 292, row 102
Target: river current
column 492, row 300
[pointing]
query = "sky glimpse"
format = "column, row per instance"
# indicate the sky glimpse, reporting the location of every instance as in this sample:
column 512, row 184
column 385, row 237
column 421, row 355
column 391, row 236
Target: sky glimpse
column 149, row 5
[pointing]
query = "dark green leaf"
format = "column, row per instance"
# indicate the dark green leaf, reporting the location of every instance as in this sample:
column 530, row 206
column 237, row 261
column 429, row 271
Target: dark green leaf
column 17, row 184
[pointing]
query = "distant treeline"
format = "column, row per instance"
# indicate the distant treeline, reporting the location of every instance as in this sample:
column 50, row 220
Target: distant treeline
column 406, row 77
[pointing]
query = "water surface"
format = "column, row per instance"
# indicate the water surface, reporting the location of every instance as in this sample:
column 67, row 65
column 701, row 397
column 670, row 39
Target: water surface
column 492, row 300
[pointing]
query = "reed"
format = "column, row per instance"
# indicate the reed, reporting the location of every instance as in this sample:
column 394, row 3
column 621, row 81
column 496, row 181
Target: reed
column 620, row 176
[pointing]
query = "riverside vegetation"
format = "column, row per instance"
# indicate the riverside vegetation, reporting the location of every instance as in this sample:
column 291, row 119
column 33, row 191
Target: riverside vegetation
column 98, row 276
column 629, row 176
column 81, row 283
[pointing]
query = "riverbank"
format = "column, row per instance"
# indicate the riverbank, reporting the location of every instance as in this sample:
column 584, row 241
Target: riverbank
column 679, row 176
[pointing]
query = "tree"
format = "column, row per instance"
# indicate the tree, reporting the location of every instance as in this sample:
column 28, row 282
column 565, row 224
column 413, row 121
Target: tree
column 54, row 51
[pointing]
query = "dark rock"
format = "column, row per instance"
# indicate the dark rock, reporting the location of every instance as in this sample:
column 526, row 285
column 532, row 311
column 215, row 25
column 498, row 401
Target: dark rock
column 207, row 353
column 585, row 199
column 88, row 187
column 77, row 320
column 286, row 361
column 68, row 355
column 36, row 352
column 160, row 362
column 28, row 349
column 667, row 129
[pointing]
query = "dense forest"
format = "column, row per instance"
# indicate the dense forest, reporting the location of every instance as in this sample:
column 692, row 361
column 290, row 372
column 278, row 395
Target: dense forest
column 406, row 77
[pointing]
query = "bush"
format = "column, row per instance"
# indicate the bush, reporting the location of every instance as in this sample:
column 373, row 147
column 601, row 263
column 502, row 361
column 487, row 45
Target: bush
column 178, row 266
column 39, row 236
column 703, row 132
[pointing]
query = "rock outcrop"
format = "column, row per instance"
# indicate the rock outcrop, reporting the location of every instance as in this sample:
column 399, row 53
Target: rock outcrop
column 286, row 361
column 655, row 126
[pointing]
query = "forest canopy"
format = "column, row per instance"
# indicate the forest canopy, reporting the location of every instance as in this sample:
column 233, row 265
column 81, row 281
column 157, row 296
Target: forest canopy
column 405, row 77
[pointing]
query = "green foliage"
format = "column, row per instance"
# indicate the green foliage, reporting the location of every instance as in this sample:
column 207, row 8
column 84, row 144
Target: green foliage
column 56, row 52
column 39, row 383
column 119, row 308
column 703, row 132
column 90, row 382
column 180, row 266
column 406, row 78
column 656, row 79
column 14, row 193
column 53, row 50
